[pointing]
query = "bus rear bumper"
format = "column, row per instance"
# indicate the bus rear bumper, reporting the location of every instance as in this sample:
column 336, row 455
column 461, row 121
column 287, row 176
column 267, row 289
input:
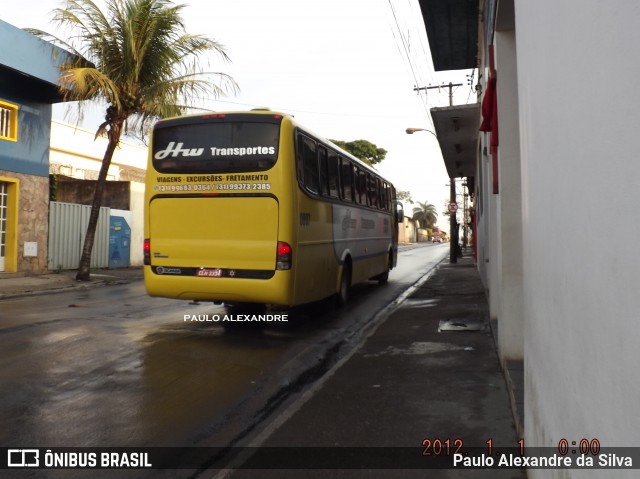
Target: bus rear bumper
column 276, row 290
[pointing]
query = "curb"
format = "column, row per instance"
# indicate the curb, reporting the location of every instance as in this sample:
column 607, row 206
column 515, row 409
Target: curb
column 69, row 287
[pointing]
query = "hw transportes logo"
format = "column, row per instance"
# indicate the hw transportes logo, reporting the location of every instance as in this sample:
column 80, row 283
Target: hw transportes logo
column 23, row 458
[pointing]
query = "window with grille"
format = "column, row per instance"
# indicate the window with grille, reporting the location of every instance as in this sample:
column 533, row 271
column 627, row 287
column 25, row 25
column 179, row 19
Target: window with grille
column 8, row 121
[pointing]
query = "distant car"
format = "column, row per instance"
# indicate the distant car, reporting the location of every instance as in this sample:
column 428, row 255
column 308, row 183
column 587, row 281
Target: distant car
column 436, row 239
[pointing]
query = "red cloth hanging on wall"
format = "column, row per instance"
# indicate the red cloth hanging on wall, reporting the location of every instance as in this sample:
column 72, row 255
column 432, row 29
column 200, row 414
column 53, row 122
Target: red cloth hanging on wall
column 490, row 117
column 487, row 105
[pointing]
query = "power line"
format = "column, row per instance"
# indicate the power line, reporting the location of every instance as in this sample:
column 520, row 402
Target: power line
column 404, row 43
column 416, row 16
column 405, row 54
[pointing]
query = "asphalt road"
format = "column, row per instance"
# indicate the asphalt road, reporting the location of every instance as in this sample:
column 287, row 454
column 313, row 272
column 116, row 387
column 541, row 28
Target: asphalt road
column 112, row 367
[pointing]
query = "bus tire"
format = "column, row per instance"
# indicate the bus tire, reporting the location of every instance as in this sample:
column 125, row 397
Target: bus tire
column 384, row 277
column 345, row 284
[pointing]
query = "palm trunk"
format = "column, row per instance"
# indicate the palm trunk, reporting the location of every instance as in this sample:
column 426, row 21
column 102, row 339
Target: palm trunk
column 84, row 268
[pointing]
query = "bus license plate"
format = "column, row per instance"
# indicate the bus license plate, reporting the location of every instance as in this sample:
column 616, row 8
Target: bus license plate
column 209, row 272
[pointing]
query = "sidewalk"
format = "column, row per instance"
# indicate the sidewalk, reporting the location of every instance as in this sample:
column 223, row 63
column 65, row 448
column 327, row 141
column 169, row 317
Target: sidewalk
column 13, row 285
column 423, row 374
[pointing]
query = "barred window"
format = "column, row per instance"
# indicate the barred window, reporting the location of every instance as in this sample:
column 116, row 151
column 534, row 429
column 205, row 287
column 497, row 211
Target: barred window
column 8, row 121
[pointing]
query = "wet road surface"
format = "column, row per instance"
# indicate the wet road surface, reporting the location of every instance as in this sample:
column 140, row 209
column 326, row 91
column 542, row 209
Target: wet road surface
column 112, row 367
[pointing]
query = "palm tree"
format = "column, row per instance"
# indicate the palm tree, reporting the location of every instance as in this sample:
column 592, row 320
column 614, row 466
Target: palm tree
column 139, row 60
column 426, row 214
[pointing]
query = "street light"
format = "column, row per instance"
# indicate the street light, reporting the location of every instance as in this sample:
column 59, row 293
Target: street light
column 411, row 131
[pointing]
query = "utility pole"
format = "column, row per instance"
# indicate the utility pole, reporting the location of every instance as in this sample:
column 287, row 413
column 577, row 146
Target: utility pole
column 449, row 86
column 453, row 224
column 464, row 215
column 453, row 234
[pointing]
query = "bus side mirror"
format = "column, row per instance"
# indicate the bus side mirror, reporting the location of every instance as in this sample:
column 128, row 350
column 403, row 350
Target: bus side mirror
column 399, row 212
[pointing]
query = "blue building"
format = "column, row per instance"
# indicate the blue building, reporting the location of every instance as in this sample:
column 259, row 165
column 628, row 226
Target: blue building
column 28, row 88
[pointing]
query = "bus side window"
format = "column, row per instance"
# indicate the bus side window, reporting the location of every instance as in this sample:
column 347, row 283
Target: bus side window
column 334, row 173
column 346, row 179
column 386, row 200
column 380, row 194
column 372, row 190
column 361, row 185
column 383, row 196
column 356, row 185
column 309, row 165
column 322, row 162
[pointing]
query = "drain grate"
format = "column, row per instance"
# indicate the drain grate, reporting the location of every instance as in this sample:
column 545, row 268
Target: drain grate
column 462, row 325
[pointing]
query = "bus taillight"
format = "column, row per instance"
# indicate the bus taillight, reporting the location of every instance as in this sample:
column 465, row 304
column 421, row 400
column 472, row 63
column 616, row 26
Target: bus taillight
column 146, row 251
column 283, row 258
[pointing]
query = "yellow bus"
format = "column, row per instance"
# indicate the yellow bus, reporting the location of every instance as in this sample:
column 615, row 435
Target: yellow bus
column 251, row 207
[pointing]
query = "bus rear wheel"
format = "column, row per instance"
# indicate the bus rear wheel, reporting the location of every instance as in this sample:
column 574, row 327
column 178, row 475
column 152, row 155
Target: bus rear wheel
column 382, row 278
column 345, row 284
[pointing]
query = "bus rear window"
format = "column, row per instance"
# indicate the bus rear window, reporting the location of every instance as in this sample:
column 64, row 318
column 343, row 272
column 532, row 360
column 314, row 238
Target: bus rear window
column 215, row 147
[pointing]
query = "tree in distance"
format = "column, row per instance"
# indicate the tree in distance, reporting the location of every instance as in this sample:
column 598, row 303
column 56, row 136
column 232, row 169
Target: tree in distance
column 363, row 150
column 425, row 213
column 404, row 196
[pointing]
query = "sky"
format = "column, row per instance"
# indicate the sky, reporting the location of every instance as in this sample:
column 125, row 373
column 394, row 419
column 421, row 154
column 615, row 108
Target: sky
column 346, row 69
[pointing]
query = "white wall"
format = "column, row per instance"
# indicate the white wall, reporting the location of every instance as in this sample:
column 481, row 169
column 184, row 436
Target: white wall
column 483, row 213
column 76, row 148
column 580, row 147
column 493, row 229
column 137, row 225
column 509, row 204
